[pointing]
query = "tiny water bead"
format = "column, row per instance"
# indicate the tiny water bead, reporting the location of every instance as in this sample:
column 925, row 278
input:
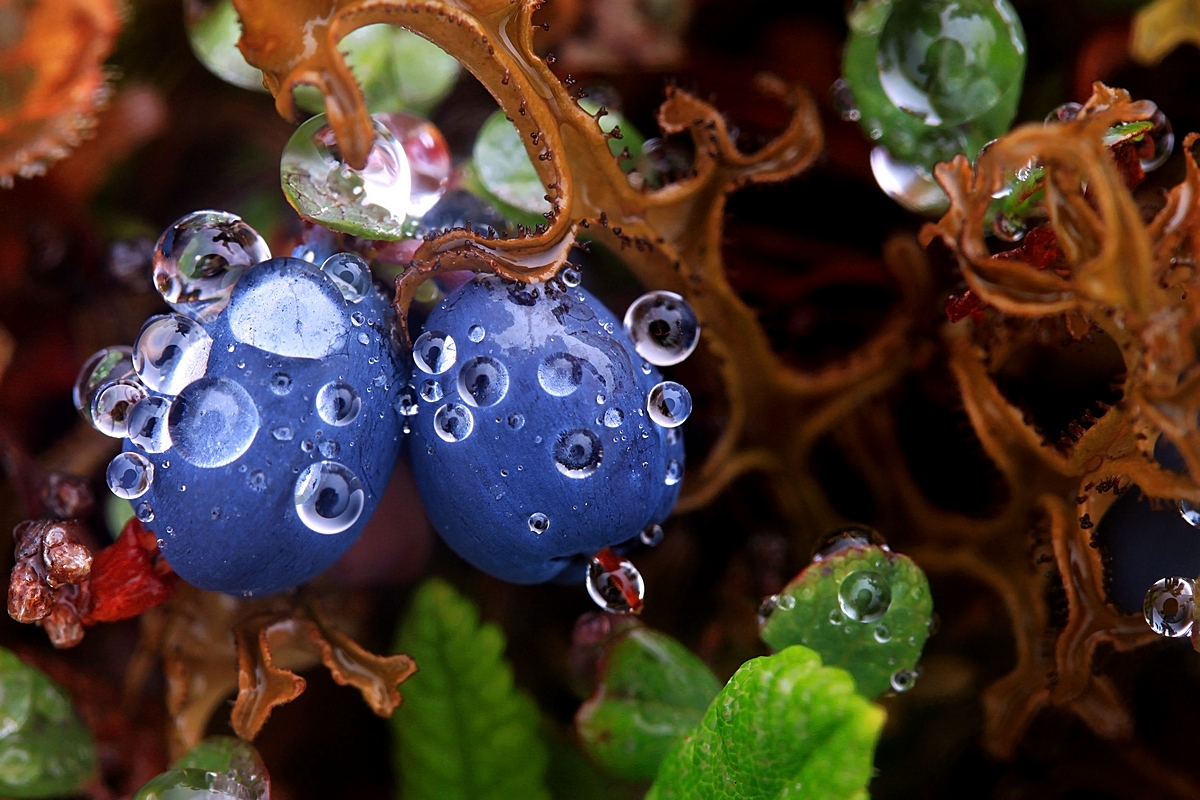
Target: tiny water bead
column 282, row 433
column 453, row 422
column 476, row 333
column 129, row 475
column 482, row 381
column 663, row 327
column 281, row 384
column 615, row 584
column 651, row 535
column 669, row 404
column 431, row 390
column 1170, row 607
column 1158, row 143
column 904, row 679
column 539, row 522
column 338, row 403
column 213, row 30
column 328, row 497
column 766, row 608
column 112, row 406
column 148, row 425
column 372, row 202
column 213, row 422
column 170, row 352
column 104, row 366
column 1190, row 513
column 434, row 352
column 560, row 374
column 406, row 402
column 516, row 421
column 199, row 259
column 145, row 513
column 674, row 472
column 613, row 418
column 882, row 634
column 350, row 274
column 570, row 277
column 578, row 453
column 864, row 596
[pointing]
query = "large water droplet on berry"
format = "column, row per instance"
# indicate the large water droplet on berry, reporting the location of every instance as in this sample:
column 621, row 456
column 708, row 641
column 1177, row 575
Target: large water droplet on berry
column 482, row 381
column 578, row 453
column 539, row 522
column 669, row 404
column 113, row 404
column 1170, row 607
column 213, row 422
column 434, row 352
column 284, row 307
column 864, row 596
column 428, row 158
column 453, row 422
column 148, row 425
column 350, row 274
column 338, row 403
column 170, row 352
column 560, row 374
column 129, row 475
column 663, row 327
column 199, row 259
column 372, row 202
column 104, row 366
column 612, row 584
column 329, row 497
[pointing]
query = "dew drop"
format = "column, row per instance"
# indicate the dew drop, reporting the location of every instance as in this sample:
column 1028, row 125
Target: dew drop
column 904, row 679
column 674, row 472
column 213, row 422
column 538, row 522
column 113, row 405
column 786, row 602
column 104, row 366
column 1190, row 513
column 836, row 617
column 364, row 338
column 284, row 307
column 578, row 453
column 329, row 448
column 882, row 634
column 482, row 381
column 560, row 374
column 476, row 333
column 328, row 497
column 129, row 475
column 864, row 596
column 350, row 274
column 148, row 425
column 357, row 319
column 199, row 259
column 1170, row 607
column 307, row 446
column 606, row 586
column 257, row 480
column 910, row 186
column 171, row 352
column 338, row 403
column 651, row 535
column 516, row 421
column 281, row 383
column 613, row 418
column 145, row 513
column 669, row 404
column 663, row 327
column 406, row 402
column 434, row 352
column 282, row 433
column 431, row 390
column 453, row 422
column 766, row 608
column 570, row 277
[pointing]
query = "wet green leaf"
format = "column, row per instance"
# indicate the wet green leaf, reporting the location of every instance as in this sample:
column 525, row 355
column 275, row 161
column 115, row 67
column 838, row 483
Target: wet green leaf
column 836, row 608
column 464, row 731
column 504, row 169
column 652, row 690
column 784, row 726
column 219, row 768
column 44, row 749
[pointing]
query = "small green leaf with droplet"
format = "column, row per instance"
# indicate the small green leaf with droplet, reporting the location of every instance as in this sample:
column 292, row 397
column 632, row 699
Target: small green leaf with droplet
column 45, row 750
column 784, row 726
column 504, row 168
column 864, row 609
column 651, row 691
column 464, row 731
column 218, row 767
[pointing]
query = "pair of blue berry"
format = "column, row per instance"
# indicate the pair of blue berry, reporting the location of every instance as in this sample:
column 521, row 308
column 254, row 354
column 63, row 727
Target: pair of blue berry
column 263, row 418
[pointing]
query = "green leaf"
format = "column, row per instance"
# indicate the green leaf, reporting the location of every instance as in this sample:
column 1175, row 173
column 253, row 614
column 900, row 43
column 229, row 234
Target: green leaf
column 818, row 609
column 44, row 749
column 651, row 692
column 784, row 726
column 117, row 511
column 504, row 168
column 464, row 731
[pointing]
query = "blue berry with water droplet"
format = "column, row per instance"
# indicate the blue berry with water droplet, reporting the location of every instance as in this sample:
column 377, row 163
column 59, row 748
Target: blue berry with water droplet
column 536, row 447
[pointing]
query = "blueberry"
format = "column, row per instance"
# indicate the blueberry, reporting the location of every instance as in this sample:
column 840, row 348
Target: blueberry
column 272, row 432
column 532, row 444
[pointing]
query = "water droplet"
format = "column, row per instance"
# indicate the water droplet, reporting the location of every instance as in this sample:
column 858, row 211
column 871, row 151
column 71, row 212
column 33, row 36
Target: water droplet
column 329, row 448
column 213, row 422
column 482, row 381
column 357, row 319
column 1064, row 113
column 113, row 404
column 601, row 399
column 281, row 383
column 864, row 596
column 428, row 158
column 453, row 422
column 434, row 352
column 669, row 404
column 882, row 634
column 307, row 446
column 613, row 418
column 282, row 433
column 1170, row 607
column 663, row 327
column 651, row 535
column 170, row 352
column 364, row 338
column 909, row 185
column 371, row 202
column 284, row 307
column 199, row 259
column 1156, row 147
column 329, row 497
column 836, row 617
column 257, row 480
column 215, row 514
column 570, row 277
column 104, row 366
column 148, row 425
column 516, row 420
column 766, row 608
column 338, row 403
column 539, row 522
column 646, row 368
column 904, row 679
column 1190, row 514
column 406, row 401
column 129, row 475
column 786, row 602
column 843, row 101
column 605, row 586
column 674, row 472
column 476, row 333
column 560, row 374
column 350, row 274
column 213, row 30
column 145, row 513
column 845, row 538
column 578, row 453
column 431, row 390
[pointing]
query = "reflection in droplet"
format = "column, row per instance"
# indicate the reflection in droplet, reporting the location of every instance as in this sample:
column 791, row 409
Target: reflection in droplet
column 560, row 374
column 199, row 259
column 453, row 422
column 663, row 327
column 569, row 276
column 482, row 381
column 864, row 596
column 434, row 352
column 766, row 608
column 903, row 679
column 669, row 404
column 328, row 497
column 539, row 522
column 578, row 453
column 428, row 157
column 213, row 29
column 338, row 403
column 148, row 425
column 406, row 402
column 145, row 513
column 113, row 404
column 431, row 390
column 516, row 420
column 674, row 472
column 129, row 475
column 104, row 366
column 651, row 535
column 213, row 422
column 476, row 333
column 1170, row 607
column 617, row 587
column 350, row 274
column 170, row 352
column 1157, row 145
column 882, row 634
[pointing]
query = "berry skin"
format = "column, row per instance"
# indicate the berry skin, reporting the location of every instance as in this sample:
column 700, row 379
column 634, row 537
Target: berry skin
column 532, row 444
column 282, row 440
